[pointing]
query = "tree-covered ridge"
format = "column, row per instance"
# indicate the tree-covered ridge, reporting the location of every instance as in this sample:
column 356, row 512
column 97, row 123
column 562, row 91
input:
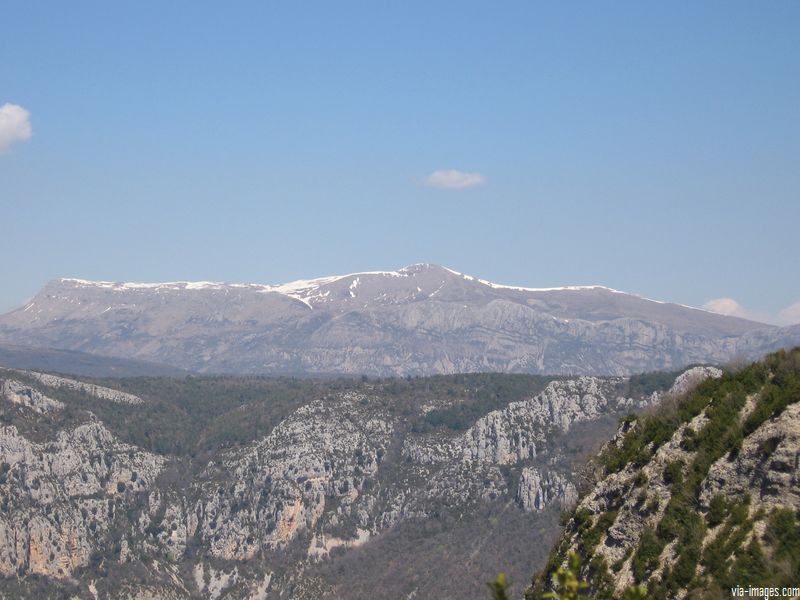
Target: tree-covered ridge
column 184, row 416
column 697, row 496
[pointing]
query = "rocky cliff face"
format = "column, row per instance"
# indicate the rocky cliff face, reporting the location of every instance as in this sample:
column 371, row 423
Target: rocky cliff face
column 19, row 393
column 537, row 490
column 349, row 472
column 700, row 496
column 419, row 320
column 97, row 391
column 60, row 497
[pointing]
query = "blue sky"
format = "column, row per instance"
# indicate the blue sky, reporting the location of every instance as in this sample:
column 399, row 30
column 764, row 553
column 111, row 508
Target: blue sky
column 650, row 147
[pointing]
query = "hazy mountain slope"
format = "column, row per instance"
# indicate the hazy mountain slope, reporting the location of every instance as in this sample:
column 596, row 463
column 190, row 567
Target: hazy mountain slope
column 285, row 488
column 700, row 496
column 79, row 363
column 418, row 320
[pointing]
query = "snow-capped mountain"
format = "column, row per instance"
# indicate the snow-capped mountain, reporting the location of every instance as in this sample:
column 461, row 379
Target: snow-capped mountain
column 421, row 319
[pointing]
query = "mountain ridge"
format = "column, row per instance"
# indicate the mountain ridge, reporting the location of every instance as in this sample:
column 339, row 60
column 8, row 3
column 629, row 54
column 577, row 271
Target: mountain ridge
column 418, row 320
column 291, row 288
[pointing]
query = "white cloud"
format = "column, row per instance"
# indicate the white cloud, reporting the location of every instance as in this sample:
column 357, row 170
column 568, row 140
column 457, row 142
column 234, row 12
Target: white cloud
column 726, row 306
column 730, row 307
column 790, row 315
column 15, row 125
column 454, row 180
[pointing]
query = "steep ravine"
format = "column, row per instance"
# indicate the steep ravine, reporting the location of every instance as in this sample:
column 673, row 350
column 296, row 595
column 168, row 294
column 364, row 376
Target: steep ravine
column 409, row 483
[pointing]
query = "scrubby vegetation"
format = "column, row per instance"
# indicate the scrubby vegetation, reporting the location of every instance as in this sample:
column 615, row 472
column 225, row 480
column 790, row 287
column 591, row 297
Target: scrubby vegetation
column 644, row 384
column 567, row 584
column 483, row 393
column 735, row 554
column 723, row 398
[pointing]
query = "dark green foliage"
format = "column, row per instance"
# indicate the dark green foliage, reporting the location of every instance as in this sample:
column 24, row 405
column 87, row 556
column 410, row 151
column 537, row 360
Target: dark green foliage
column 768, row 446
column 653, row 430
column 689, row 551
column 553, row 561
column 783, row 536
column 656, row 428
column 591, row 536
column 751, row 566
column 478, row 395
column 673, row 475
column 583, row 518
column 681, row 520
column 716, row 556
column 689, row 442
column 739, row 512
column 645, row 560
column 602, row 581
column 778, row 394
column 684, row 569
column 783, row 532
column 722, row 432
column 717, row 510
column 675, row 519
column 645, row 384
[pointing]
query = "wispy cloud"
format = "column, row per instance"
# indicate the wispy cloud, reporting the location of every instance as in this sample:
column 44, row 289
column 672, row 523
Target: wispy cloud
column 15, row 125
column 454, row 180
column 730, row 307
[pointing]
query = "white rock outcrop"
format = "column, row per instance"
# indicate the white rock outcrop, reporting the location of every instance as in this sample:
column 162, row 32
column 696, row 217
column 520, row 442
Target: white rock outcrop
column 537, row 491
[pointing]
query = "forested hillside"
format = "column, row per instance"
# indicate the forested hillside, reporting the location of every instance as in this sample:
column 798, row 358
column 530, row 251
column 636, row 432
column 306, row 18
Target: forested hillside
column 699, row 495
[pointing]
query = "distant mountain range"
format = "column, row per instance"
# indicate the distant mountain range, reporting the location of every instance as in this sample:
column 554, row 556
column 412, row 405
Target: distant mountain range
column 419, row 320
